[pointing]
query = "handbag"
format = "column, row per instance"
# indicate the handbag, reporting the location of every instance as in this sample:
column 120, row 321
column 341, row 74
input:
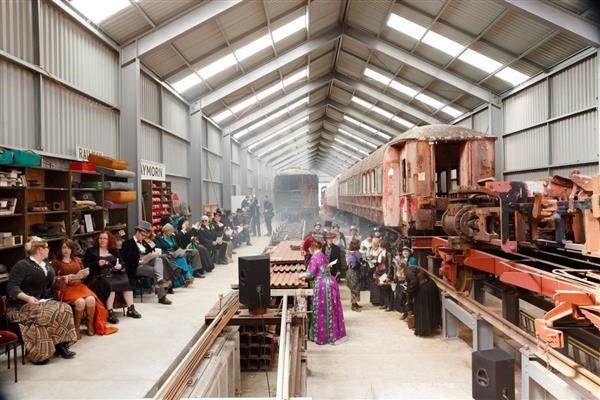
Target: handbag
column 6, row 156
column 26, row 158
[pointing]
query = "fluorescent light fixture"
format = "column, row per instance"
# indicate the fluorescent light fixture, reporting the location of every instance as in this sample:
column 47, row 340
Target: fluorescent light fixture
column 253, row 47
column 402, row 121
column 222, row 115
column 480, row 61
column 98, row 11
column 367, row 128
column 377, row 76
column 184, row 84
column 350, row 146
column 410, row 92
column 430, row 101
column 512, row 76
column 244, row 104
column 405, row 26
column 442, row 43
column 453, row 112
column 263, row 94
column 362, row 102
column 356, row 138
column 333, row 146
column 290, row 28
column 217, row 66
column 295, row 77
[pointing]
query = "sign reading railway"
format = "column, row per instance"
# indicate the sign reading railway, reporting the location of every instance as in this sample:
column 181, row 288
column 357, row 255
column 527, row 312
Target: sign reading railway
column 150, row 170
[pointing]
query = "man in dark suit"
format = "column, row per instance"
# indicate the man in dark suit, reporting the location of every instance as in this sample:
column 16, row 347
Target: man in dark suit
column 268, row 212
column 142, row 259
column 333, row 252
column 208, row 238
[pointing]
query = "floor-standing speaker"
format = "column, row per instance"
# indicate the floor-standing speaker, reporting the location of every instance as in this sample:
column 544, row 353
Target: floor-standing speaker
column 255, row 281
column 493, row 375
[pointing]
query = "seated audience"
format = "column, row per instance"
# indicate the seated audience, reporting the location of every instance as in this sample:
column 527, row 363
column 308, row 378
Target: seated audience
column 186, row 237
column 170, row 248
column 108, row 276
column 46, row 325
column 241, row 222
column 209, row 239
column 141, row 258
column 73, row 291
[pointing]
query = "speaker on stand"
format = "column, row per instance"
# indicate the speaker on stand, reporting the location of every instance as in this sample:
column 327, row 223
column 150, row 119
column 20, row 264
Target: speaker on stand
column 493, row 375
column 254, row 277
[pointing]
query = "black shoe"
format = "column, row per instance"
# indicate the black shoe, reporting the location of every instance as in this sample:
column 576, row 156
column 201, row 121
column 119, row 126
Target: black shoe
column 358, row 305
column 43, row 362
column 164, row 300
column 404, row 315
column 132, row 313
column 112, row 318
column 62, row 349
column 389, row 309
column 248, row 244
column 170, row 290
column 382, row 307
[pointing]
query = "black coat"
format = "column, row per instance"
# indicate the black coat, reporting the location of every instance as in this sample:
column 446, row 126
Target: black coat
column 28, row 277
column 205, row 236
column 131, row 255
column 335, row 255
column 91, row 259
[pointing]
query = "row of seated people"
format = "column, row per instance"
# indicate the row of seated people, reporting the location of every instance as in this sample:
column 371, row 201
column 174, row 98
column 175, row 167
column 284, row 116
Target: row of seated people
column 49, row 300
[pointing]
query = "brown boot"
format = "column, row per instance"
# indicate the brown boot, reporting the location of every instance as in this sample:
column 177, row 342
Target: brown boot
column 90, row 319
column 77, row 315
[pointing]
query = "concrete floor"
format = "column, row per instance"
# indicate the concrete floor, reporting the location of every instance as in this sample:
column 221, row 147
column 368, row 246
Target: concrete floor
column 128, row 363
column 383, row 359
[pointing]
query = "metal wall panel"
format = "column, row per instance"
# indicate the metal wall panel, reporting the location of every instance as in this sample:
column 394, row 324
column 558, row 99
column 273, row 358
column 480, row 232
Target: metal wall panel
column 175, row 155
column 526, row 108
column 16, row 29
column 212, row 193
column 150, row 99
column 575, row 139
column 527, row 176
column 17, row 125
column 75, row 55
column 589, row 170
column 467, row 122
column 212, row 167
column 481, row 121
column 149, row 146
column 235, row 152
column 518, row 149
column 175, row 115
column 213, row 138
column 181, row 187
column 69, row 119
column 575, row 88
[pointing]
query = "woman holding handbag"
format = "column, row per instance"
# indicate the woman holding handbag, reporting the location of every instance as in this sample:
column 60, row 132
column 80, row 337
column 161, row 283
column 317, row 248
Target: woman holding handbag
column 73, row 291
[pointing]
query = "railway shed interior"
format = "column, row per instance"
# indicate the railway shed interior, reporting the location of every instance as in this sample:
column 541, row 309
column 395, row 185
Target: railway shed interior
column 466, row 129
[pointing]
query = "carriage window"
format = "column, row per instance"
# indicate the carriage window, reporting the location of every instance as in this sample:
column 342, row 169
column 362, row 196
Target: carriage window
column 453, row 180
column 378, row 180
column 404, row 175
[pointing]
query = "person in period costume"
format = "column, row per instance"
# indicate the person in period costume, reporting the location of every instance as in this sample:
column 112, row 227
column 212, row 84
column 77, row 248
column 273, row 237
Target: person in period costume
column 220, row 230
column 316, row 233
column 354, row 234
column 207, row 236
column 108, row 276
column 327, row 322
column 241, row 222
column 143, row 258
column 245, row 203
column 46, row 325
column 176, row 255
column 269, row 214
column 376, row 268
column 354, row 261
column 186, row 239
column 340, row 238
column 333, row 253
column 365, row 269
column 73, row 291
column 427, row 305
column 401, row 263
column 385, row 277
column 255, row 212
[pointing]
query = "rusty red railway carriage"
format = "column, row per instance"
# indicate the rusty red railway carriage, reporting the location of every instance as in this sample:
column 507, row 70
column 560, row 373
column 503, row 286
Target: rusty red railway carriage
column 405, row 184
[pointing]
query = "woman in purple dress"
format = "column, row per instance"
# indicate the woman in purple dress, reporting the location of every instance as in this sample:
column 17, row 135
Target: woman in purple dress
column 327, row 322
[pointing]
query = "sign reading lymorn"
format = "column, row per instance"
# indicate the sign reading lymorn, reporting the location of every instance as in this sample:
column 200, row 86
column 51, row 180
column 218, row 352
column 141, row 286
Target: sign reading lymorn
column 150, row 170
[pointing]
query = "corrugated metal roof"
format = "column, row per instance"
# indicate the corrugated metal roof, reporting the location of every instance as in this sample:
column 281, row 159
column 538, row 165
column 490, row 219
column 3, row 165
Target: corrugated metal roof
column 160, row 10
column 516, row 33
column 126, row 25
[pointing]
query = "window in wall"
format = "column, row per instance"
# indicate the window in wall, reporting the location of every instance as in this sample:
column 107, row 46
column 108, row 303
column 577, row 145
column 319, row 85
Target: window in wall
column 378, row 180
column 403, row 175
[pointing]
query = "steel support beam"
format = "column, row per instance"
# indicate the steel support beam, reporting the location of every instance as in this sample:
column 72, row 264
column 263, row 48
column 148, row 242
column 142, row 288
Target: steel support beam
column 198, row 126
column 173, row 29
column 283, row 161
column 333, row 124
column 422, row 65
column 557, row 18
column 226, row 172
column 273, row 65
column 368, row 90
column 359, row 115
column 284, row 101
column 312, row 127
column 284, row 151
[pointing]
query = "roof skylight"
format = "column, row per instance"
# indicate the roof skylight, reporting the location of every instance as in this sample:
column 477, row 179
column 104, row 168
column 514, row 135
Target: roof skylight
column 280, row 131
column 386, row 114
column 290, row 28
column 367, row 127
column 253, row 47
column 454, row 49
column 184, row 84
column 98, row 11
column 279, row 144
column 333, row 146
column 217, row 66
column 271, row 117
column 344, row 143
column 358, row 139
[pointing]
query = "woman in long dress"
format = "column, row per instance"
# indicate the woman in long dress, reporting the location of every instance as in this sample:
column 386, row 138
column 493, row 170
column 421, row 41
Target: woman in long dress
column 327, row 322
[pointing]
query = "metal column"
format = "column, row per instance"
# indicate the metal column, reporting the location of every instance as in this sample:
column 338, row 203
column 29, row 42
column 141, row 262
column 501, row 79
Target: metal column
column 197, row 131
column 453, row 314
column 130, row 133
column 244, row 171
column 226, row 175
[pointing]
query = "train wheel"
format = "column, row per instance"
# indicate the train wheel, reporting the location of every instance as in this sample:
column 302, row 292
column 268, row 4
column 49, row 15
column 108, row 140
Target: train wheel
column 464, row 279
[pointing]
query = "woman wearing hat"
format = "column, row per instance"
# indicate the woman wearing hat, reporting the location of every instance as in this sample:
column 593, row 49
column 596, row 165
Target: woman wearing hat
column 333, row 253
column 327, row 322
column 402, row 262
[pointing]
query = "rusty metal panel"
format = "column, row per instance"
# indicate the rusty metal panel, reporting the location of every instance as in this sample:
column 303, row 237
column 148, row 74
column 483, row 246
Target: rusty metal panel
column 526, row 108
column 575, row 139
column 75, row 55
column 575, row 88
column 150, row 143
column 16, row 29
column 150, row 99
column 17, row 127
column 527, row 149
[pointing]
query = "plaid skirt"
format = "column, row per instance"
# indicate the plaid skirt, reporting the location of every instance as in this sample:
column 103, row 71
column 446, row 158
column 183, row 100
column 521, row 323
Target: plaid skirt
column 43, row 326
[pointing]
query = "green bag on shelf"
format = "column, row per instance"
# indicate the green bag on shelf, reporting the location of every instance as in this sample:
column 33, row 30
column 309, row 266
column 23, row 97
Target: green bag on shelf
column 26, row 158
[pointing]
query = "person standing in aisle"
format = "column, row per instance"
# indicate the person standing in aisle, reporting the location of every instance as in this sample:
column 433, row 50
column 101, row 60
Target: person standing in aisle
column 353, row 259
column 333, row 253
column 269, row 213
column 255, row 212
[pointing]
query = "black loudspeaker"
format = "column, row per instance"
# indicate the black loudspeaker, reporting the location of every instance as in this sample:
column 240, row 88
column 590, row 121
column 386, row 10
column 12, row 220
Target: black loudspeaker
column 493, row 375
column 255, row 281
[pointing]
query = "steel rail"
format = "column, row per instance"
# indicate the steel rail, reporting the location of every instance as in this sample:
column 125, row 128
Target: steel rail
column 176, row 384
column 567, row 367
column 282, row 348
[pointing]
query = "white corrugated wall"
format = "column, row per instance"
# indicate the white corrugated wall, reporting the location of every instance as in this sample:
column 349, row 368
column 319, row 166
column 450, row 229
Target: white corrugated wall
column 150, row 99
column 175, row 115
column 17, row 127
column 149, row 146
column 16, row 29
column 212, row 167
column 175, row 155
